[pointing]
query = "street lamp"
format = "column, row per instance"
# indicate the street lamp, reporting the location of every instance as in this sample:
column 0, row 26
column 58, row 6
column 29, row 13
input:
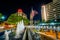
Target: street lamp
column 3, row 17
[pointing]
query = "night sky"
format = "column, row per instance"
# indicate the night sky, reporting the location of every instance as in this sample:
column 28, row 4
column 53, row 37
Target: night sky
column 8, row 7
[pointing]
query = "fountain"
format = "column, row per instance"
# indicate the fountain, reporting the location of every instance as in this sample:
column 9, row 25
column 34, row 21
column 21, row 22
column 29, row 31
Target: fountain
column 7, row 34
column 19, row 30
column 22, row 26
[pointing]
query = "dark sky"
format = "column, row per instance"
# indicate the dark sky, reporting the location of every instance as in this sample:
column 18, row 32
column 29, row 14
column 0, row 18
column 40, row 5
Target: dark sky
column 8, row 7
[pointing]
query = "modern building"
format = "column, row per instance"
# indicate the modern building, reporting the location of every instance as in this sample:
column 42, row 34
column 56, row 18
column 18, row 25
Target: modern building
column 51, row 11
column 44, row 13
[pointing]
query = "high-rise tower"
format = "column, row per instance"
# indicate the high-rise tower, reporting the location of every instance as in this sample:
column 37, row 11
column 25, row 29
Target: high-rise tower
column 51, row 11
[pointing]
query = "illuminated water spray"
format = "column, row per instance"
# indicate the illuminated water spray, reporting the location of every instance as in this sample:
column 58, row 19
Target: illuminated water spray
column 20, row 28
column 7, row 34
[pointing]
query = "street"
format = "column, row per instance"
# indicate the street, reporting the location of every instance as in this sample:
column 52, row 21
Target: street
column 29, row 34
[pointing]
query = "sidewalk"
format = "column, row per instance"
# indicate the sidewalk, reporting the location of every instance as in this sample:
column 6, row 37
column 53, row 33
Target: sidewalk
column 41, row 33
column 49, row 34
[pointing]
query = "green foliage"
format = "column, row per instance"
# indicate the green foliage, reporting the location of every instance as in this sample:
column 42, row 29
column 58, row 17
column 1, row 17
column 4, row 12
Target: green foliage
column 0, row 17
column 14, row 18
column 26, row 21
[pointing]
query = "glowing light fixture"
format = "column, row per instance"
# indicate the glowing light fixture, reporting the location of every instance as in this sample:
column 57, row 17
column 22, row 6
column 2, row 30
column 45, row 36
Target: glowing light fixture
column 3, row 17
column 52, row 23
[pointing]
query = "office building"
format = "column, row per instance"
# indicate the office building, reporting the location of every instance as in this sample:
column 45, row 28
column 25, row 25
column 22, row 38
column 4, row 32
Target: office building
column 51, row 11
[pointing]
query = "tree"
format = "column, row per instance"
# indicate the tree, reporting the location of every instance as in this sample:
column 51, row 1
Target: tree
column 26, row 21
column 0, row 17
column 14, row 18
